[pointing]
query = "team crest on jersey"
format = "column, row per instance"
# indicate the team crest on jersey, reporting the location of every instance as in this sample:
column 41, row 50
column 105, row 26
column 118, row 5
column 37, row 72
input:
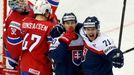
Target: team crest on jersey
column 54, row 2
column 77, row 57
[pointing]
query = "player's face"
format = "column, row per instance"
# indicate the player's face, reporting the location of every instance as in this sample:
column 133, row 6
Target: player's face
column 91, row 32
column 69, row 24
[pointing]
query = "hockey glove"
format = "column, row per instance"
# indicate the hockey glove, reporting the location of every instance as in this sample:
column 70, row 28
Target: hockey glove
column 57, row 31
column 118, row 59
column 68, row 36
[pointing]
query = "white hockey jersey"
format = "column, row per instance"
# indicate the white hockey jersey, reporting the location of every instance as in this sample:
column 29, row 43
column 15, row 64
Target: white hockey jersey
column 101, row 45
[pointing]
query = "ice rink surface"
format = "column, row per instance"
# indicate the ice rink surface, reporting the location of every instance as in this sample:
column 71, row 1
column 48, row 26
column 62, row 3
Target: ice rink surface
column 109, row 13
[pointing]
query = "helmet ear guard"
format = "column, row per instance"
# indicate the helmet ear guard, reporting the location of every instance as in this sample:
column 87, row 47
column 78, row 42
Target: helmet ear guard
column 69, row 17
column 92, row 22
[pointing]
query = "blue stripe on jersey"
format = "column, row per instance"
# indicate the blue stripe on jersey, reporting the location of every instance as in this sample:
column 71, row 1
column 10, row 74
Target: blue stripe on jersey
column 54, row 2
column 8, row 54
column 12, row 63
column 14, row 41
column 25, row 73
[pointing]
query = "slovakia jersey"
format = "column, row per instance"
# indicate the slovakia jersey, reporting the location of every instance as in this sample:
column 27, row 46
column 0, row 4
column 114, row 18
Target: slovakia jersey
column 12, row 33
column 67, row 60
column 98, row 55
column 35, row 46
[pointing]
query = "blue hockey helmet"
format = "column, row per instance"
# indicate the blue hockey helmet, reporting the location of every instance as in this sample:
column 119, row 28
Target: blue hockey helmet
column 69, row 17
column 92, row 22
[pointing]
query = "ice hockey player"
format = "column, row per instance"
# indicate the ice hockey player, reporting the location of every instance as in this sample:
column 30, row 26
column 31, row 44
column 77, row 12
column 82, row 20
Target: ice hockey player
column 99, row 51
column 35, row 46
column 66, row 50
column 12, row 40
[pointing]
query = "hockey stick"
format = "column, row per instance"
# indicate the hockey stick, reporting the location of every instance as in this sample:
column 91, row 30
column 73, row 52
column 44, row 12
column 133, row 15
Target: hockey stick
column 121, row 26
column 131, row 49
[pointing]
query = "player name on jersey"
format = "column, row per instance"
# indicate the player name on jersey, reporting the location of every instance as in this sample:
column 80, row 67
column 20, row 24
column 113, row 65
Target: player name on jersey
column 35, row 26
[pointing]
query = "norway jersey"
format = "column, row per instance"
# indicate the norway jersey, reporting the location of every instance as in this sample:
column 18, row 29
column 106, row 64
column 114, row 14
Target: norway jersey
column 75, row 47
column 12, row 32
column 54, row 5
column 30, row 9
column 12, row 35
column 98, row 55
column 66, row 59
column 35, row 46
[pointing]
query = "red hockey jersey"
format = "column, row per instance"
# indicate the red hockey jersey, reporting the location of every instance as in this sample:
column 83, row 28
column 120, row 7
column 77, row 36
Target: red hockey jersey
column 11, row 37
column 35, row 46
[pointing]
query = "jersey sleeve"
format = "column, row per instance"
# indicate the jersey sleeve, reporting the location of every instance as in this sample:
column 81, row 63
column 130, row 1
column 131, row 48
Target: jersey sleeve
column 109, row 49
column 50, row 28
column 49, row 38
column 8, row 19
column 54, row 44
column 57, row 51
column 109, row 45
